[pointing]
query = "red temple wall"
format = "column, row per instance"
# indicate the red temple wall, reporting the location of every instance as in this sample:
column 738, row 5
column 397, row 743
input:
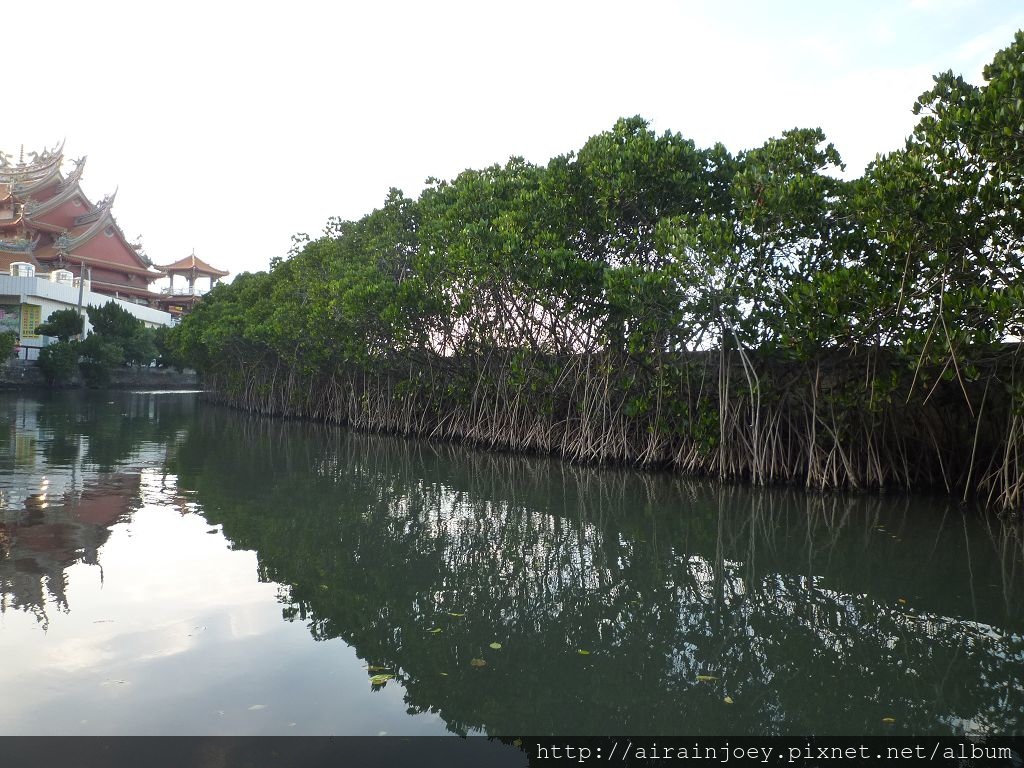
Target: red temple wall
column 110, row 248
column 64, row 215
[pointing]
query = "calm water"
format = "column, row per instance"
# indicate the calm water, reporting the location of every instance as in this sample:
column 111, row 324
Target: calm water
column 170, row 567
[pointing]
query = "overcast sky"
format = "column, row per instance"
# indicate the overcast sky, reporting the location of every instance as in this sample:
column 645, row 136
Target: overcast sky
column 229, row 126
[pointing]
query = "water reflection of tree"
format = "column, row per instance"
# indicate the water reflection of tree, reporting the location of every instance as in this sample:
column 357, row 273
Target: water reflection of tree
column 682, row 594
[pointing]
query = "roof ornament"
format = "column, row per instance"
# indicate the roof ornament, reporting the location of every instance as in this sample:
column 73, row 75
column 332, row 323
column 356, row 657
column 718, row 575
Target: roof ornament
column 5, row 160
column 76, row 174
column 19, row 244
column 62, row 244
column 107, row 201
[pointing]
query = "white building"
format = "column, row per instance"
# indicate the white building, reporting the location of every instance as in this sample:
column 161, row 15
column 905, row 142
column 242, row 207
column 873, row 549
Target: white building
column 27, row 299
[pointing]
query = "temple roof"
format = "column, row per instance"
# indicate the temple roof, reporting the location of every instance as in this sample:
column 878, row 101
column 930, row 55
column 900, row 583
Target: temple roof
column 193, row 263
column 40, row 171
column 50, row 253
column 7, row 258
column 66, row 189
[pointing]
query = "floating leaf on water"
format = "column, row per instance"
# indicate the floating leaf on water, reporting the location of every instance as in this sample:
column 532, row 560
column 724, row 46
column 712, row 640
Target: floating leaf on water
column 902, row 600
column 381, row 679
column 435, row 630
column 728, row 700
column 444, row 674
column 706, row 678
column 377, row 668
column 496, row 646
column 450, row 613
column 478, row 663
column 517, row 743
column 582, row 652
column 257, row 706
column 888, row 719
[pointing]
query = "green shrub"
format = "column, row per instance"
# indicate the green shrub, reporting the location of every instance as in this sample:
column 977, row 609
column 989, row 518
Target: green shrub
column 58, row 362
column 62, row 324
column 8, row 341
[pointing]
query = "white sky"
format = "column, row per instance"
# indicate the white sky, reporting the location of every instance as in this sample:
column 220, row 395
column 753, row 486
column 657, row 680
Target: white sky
column 229, row 126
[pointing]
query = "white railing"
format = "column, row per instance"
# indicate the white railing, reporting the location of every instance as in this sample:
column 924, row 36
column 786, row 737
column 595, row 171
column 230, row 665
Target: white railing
column 182, row 291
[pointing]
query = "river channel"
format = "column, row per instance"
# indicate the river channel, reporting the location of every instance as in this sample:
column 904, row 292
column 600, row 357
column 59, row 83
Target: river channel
column 172, row 567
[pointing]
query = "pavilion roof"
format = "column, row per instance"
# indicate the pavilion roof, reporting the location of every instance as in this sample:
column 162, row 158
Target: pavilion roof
column 193, row 263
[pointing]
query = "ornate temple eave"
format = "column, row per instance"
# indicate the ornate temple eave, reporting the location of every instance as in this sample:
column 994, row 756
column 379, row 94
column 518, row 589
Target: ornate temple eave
column 11, row 223
column 67, row 190
column 20, row 246
column 99, row 211
column 76, row 175
column 54, row 254
column 41, row 166
column 29, row 179
column 55, row 229
column 90, row 225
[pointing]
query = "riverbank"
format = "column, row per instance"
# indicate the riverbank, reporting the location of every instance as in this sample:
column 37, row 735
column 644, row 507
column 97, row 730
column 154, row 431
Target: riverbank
column 26, row 375
column 864, row 422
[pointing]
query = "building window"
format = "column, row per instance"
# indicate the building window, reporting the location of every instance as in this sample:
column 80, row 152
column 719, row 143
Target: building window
column 31, row 318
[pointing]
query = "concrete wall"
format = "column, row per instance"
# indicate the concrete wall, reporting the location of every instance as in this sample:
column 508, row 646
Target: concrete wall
column 26, row 375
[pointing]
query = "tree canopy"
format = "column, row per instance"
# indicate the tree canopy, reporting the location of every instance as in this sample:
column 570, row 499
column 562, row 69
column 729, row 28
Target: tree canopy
column 577, row 306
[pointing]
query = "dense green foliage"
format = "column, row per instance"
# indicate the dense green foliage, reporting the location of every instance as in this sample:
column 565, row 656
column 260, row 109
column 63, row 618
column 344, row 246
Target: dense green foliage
column 166, row 355
column 59, row 362
column 645, row 300
column 117, row 338
column 62, row 324
column 8, row 341
column 127, row 338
